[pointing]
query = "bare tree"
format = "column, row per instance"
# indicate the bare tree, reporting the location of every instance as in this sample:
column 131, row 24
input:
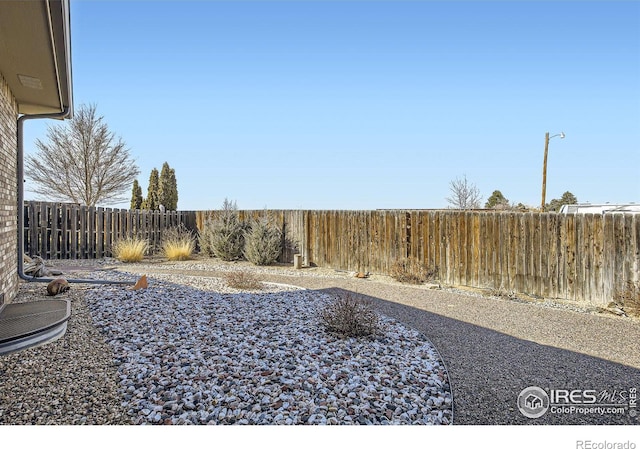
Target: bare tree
column 82, row 162
column 464, row 194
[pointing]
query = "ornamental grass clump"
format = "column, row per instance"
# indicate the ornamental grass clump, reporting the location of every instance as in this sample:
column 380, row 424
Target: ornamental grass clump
column 130, row 249
column 178, row 243
column 263, row 242
column 349, row 315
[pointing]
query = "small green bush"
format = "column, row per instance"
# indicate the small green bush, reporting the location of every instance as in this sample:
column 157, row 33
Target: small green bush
column 411, row 271
column 223, row 236
column 205, row 238
column 263, row 242
column 349, row 315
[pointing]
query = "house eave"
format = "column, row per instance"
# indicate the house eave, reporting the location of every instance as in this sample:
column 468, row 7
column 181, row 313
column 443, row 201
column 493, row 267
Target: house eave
column 35, row 54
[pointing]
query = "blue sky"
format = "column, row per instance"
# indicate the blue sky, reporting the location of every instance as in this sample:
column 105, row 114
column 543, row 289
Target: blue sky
column 366, row 104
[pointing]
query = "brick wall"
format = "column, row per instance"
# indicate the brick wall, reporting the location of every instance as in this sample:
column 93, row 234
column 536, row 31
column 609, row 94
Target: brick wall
column 8, row 193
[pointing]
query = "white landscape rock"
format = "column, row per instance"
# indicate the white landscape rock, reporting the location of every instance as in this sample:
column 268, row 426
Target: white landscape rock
column 192, row 351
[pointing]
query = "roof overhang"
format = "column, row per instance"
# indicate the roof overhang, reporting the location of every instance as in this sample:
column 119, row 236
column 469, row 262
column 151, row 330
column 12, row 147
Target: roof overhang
column 35, row 54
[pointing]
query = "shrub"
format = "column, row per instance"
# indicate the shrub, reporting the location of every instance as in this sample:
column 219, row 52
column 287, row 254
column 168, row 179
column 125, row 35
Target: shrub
column 205, row 238
column 178, row 243
column 130, row 249
column 628, row 299
column 242, row 280
column 411, row 271
column 349, row 315
column 223, row 236
column 263, row 242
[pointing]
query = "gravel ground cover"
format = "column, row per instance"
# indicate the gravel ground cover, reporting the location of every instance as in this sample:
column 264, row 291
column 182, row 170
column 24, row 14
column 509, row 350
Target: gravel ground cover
column 190, row 350
column 73, row 380
column 493, row 347
column 198, row 352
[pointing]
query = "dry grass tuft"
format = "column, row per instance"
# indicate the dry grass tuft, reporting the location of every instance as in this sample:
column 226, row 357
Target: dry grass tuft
column 178, row 243
column 130, row 249
column 502, row 293
column 411, row 271
column 242, row 280
column 628, row 299
column 349, row 315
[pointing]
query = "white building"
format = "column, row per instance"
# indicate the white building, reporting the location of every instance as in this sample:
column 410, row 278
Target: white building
column 607, row 208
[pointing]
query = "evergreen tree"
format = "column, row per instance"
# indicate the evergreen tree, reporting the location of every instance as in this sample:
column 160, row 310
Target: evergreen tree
column 136, row 196
column 223, row 236
column 497, row 201
column 168, row 191
column 174, row 190
column 568, row 198
column 263, row 242
column 555, row 204
column 153, row 192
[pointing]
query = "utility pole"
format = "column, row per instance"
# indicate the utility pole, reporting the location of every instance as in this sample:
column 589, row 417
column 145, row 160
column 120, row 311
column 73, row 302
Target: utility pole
column 544, row 170
column 544, row 165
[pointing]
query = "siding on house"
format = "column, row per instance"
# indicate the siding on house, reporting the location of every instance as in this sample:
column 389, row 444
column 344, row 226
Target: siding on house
column 8, row 193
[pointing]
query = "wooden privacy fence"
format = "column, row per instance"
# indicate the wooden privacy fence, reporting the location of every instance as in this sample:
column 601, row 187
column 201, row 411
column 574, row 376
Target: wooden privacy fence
column 577, row 257
column 69, row 231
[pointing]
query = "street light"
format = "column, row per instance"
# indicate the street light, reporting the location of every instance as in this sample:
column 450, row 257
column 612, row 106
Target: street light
column 544, row 165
